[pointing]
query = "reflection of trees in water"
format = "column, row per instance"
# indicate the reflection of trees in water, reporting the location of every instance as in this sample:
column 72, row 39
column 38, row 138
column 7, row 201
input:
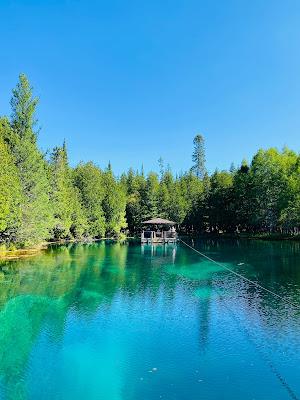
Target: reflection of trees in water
column 274, row 264
column 38, row 293
column 204, row 321
column 21, row 321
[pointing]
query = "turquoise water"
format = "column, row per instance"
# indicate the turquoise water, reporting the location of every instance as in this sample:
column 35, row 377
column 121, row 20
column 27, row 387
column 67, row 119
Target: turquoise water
column 126, row 322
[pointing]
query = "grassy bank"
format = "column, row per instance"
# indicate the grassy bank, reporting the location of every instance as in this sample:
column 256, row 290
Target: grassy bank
column 15, row 253
column 21, row 253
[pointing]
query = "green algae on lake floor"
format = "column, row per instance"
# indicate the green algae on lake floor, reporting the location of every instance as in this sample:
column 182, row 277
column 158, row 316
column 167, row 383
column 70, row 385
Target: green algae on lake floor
column 130, row 322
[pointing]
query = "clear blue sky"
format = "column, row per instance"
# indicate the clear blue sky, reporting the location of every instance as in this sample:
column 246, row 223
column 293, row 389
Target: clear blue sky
column 130, row 81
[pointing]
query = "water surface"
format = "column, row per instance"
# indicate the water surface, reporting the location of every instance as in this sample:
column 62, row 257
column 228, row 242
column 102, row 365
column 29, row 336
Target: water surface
column 129, row 322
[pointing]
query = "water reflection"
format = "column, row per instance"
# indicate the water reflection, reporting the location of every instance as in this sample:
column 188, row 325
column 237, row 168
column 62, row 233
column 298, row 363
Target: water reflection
column 168, row 252
column 98, row 304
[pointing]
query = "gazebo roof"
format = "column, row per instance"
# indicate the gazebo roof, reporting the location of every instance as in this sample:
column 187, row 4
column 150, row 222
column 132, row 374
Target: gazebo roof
column 159, row 221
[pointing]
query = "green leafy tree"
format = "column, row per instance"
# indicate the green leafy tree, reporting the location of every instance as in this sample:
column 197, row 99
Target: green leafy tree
column 220, row 202
column 270, row 170
column 177, row 207
column 193, row 191
column 89, row 181
column 290, row 213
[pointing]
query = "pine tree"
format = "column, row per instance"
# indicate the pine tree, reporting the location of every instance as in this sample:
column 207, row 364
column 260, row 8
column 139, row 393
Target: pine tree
column 113, row 204
column 36, row 213
column 23, row 109
column 150, row 196
column 68, row 213
column 161, row 167
column 11, row 192
column 198, row 157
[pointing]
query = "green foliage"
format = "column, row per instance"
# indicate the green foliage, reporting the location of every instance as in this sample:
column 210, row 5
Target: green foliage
column 69, row 218
column 10, row 193
column 89, row 180
column 193, row 191
column 42, row 199
column 150, row 196
column 134, row 184
column 113, row 204
column 36, row 213
column 23, row 109
column 220, row 201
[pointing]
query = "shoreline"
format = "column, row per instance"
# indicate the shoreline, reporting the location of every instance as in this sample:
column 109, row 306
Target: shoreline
column 252, row 236
column 7, row 255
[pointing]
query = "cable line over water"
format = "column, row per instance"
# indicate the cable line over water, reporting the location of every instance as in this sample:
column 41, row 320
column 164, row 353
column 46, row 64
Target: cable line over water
column 242, row 276
column 261, row 353
column 264, row 356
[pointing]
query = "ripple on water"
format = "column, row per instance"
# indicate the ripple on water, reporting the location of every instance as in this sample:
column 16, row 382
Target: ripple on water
column 92, row 326
column 208, row 292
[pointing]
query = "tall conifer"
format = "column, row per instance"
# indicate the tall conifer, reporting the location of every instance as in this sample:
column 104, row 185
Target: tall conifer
column 198, row 157
column 69, row 217
column 36, row 213
column 10, row 192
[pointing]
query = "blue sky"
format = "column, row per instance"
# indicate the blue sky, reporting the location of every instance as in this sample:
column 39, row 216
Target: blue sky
column 130, row 81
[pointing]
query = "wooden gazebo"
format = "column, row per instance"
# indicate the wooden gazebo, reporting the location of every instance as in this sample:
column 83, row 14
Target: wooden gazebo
column 159, row 230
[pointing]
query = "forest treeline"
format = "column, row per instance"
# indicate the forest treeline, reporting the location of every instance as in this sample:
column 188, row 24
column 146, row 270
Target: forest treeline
column 42, row 198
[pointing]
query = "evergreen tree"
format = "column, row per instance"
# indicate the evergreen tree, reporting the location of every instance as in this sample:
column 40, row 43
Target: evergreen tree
column 69, row 218
column 11, row 192
column 40, row 199
column 164, row 201
column 192, row 190
column 89, row 181
column 198, row 157
column 36, row 212
column 150, row 196
column 23, row 109
column 135, row 187
column 243, row 197
column 113, row 204
column 177, row 206
column 161, row 167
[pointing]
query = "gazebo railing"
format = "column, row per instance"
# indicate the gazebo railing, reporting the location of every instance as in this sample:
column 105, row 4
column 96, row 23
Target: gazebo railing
column 156, row 235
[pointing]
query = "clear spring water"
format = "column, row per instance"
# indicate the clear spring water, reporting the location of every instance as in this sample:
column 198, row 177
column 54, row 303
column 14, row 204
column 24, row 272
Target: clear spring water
column 125, row 322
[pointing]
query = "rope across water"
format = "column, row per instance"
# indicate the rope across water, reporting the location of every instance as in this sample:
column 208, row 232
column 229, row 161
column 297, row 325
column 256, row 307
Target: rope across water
column 242, row 276
column 272, row 367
